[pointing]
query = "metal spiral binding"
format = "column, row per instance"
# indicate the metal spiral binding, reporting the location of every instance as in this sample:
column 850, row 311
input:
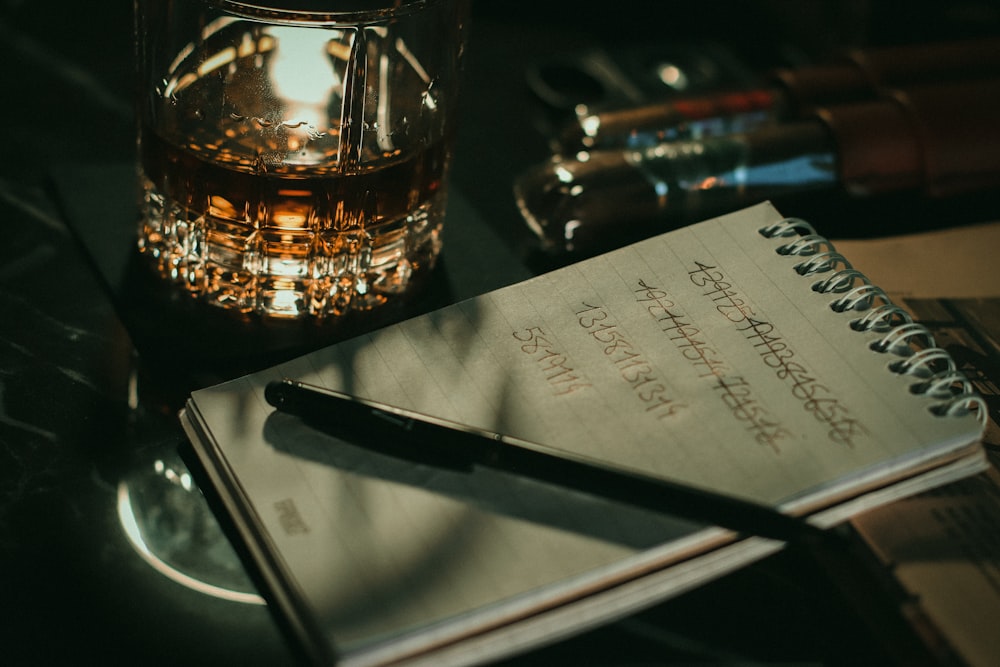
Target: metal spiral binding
column 852, row 281
column 808, row 244
column 884, row 317
column 932, row 368
column 788, row 227
column 923, row 362
column 822, row 262
column 861, row 297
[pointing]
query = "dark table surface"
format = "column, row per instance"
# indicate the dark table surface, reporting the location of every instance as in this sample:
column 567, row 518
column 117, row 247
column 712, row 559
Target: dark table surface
column 108, row 552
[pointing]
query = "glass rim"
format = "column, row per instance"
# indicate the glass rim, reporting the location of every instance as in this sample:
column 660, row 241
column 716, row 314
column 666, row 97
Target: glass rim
column 322, row 11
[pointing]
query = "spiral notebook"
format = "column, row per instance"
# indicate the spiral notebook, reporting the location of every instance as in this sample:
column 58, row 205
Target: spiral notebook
column 742, row 355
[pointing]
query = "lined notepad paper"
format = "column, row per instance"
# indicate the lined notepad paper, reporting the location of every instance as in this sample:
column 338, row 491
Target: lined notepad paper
column 702, row 355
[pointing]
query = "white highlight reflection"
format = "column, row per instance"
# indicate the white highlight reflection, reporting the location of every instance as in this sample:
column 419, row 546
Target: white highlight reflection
column 301, row 73
column 127, row 518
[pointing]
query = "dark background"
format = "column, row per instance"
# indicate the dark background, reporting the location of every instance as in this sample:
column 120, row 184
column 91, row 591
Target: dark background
column 90, row 378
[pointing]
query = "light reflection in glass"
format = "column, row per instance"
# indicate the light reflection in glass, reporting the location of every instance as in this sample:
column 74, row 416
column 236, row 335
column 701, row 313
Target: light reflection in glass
column 200, row 544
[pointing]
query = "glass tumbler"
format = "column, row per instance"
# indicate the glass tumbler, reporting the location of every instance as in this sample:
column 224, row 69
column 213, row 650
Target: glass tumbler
column 293, row 154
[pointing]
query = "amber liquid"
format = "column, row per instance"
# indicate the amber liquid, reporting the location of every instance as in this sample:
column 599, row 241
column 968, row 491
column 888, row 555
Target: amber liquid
column 290, row 245
column 249, row 208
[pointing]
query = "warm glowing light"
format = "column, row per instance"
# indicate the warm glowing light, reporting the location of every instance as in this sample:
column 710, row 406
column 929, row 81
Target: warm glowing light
column 673, row 76
column 214, row 62
column 569, row 229
column 590, row 125
column 338, row 50
column 177, row 85
column 289, row 219
column 285, row 302
column 220, row 207
column 247, row 46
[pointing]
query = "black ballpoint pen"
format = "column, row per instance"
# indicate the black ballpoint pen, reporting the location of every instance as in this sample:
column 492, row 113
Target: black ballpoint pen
column 428, row 440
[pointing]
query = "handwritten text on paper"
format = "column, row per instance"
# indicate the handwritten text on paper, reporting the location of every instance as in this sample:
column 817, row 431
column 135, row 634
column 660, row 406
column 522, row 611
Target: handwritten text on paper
column 735, row 393
column 774, row 351
column 553, row 364
column 632, row 366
